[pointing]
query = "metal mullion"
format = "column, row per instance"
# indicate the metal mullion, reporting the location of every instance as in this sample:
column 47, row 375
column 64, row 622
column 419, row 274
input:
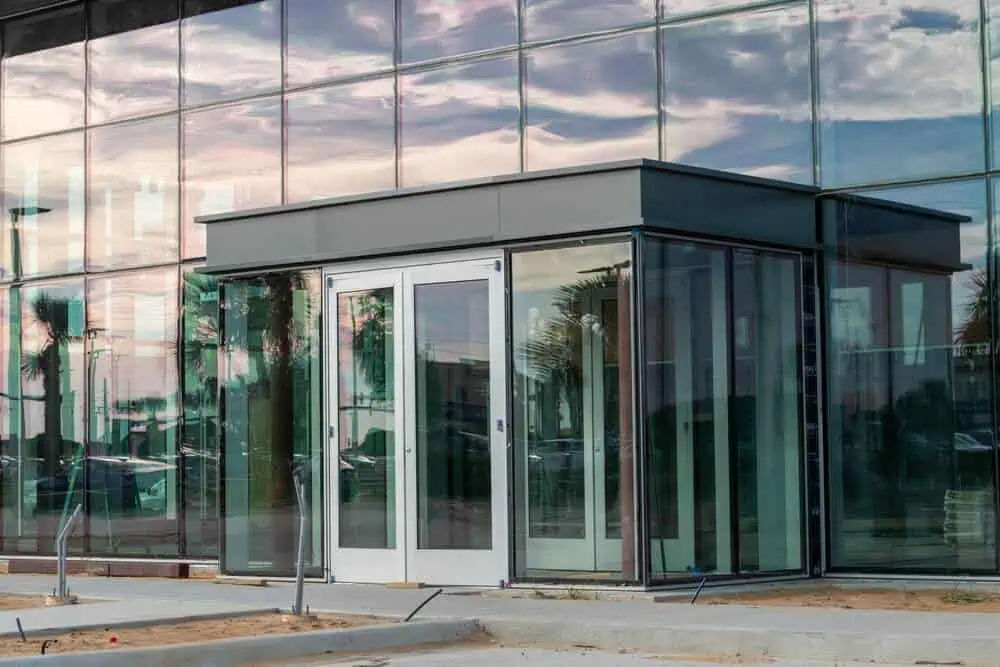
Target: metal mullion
column 815, row 95
column 283, row 111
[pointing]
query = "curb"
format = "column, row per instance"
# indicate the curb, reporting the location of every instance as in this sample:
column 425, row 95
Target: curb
column 773, row 643
column 264, row 648
column 193, row 617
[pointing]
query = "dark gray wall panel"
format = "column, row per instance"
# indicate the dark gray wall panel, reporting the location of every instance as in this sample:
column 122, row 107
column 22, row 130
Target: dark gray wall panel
column 738, row 208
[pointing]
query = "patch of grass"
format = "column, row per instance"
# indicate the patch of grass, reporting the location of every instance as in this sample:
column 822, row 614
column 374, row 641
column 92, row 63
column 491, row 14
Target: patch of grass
column 576, row 594
column 960, row 597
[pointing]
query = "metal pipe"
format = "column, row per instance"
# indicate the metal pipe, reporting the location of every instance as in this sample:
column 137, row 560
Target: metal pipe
column 61, row 549
column 300, row 561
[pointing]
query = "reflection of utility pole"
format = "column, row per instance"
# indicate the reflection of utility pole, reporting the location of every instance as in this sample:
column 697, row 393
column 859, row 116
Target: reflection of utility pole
column 16, row 215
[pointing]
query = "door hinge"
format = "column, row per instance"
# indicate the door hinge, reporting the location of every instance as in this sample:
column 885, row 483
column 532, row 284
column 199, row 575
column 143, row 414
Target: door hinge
column 331, row 432
column 498, row 266
column 500, row 426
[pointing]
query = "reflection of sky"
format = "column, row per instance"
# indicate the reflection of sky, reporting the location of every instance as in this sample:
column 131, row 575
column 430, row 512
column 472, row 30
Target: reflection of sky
column 460, row 122
column 900, row 86
column 438, row 28
column 549, row 19
column 132, row 198
column 123, row 85
column 334, row 38
column 43, row 91
column 341, row 140
column 232, row 161
column 591, row 102
column 737, row 94
column 232, row 53
column 452, row 321
column 963, row 198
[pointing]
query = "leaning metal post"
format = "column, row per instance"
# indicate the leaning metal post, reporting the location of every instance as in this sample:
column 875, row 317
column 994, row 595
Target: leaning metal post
column 300, row 561
column 61, row 549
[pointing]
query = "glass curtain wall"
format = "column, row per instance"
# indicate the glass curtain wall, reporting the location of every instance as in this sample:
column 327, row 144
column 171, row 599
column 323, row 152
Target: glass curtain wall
column 272, row 403
column 721, row 410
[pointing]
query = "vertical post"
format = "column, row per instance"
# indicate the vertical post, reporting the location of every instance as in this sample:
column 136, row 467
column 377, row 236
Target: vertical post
column 300, row 560
column 61, row 550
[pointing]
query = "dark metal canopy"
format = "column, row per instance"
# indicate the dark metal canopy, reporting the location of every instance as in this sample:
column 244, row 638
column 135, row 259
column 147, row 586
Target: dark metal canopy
column 563, row 203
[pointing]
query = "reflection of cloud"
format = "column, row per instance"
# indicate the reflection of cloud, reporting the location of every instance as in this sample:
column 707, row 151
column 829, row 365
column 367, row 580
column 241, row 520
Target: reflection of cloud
column 437, row 28
column 548, row 19
column 591, row 102
column 232, row 161
column 737, row 93
column 43, row 91
column 133, row 73
column 331, row 38
column 460, row 122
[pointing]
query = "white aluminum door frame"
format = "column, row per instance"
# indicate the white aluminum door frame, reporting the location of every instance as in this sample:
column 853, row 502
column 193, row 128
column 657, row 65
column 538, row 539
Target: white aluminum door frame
column 460, row 566
column 353, row 564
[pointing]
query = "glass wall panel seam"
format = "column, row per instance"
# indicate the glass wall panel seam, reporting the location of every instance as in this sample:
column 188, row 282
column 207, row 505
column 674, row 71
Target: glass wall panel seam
column 41, row 10
column 283, row 111
column 993, row 314
column 735, row 532
column 643, row 565
column 397, row 99
column 726, row 11
column 887, row 185
column 661, row 111
column 986, row 80
column 522, row 113
column 814, row 95
column 179, row 484
column 589, row 35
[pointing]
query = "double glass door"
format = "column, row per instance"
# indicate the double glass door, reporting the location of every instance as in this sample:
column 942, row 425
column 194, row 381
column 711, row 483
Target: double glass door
column 417, row 416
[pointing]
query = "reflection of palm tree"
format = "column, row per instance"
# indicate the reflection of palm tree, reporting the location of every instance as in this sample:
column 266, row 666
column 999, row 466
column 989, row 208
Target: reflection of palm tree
column 53, row 314
column 201, row 331
column 370, row 340
column 976, row 327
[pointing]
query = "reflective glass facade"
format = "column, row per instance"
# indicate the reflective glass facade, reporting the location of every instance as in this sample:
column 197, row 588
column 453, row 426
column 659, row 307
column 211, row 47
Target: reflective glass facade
column 123, row 121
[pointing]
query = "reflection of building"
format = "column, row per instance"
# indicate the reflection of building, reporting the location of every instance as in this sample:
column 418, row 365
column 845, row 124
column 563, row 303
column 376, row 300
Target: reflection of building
column 160, row 371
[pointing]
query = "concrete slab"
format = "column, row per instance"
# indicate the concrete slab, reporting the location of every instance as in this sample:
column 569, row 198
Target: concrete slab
column 131, row 613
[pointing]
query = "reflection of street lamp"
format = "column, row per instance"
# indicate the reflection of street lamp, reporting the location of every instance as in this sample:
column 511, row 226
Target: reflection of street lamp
column 16, row 214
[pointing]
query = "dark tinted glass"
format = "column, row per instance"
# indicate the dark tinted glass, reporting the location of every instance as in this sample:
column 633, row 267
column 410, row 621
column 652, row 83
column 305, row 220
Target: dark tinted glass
column 44, row 197
column 912, row 438
column 591, row 102
column 230, row 49
column 273, row 408
column 43, row 73
column 900, row 90
column 460, row 122
column 438, row 28
column 134, row 58
column 134, row 426
column 736, row 93
column 132, row 194
column 13, row 480
column 549, row 19
column 199, row 449
column 331, row 38
column 341, row 140
column 232, row 161
column 53, row 456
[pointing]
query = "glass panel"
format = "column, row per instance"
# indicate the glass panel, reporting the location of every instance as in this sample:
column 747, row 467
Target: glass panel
column 452, row 357
column 12, row 468
column 912, row 438
column 574, row 474
column 273, row 421
column 43, row 73
column 133, row 458
column 341, row 140
column 52, row 458
column 333, row 38
column 232, row 161
column 918, row 113
column 133, row 57
column 460, row 122
column 199, row 438
column 366, row 423
column 437, row 28
column 44, row 204
column 132, row 198
column 230, row 48
column 687, row 408
column 550, row 19
column 736, row 94
column 765, row 410
column 565, row 126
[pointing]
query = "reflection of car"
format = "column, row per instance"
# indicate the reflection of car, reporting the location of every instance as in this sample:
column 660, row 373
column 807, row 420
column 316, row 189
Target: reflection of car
column 154, row 498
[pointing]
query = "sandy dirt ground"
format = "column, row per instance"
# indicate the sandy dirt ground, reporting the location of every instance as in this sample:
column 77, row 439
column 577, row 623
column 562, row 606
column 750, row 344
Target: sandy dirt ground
column 181, row 633
column 8, row 602
column 956, row 600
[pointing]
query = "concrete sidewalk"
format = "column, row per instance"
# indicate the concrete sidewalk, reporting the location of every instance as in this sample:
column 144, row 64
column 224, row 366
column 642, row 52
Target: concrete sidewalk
column 638, row 624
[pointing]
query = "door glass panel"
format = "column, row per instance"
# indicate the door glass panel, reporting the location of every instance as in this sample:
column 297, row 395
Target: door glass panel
column 573, row 473
column 765, row 409
column 452, row 406
column 366, row 419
